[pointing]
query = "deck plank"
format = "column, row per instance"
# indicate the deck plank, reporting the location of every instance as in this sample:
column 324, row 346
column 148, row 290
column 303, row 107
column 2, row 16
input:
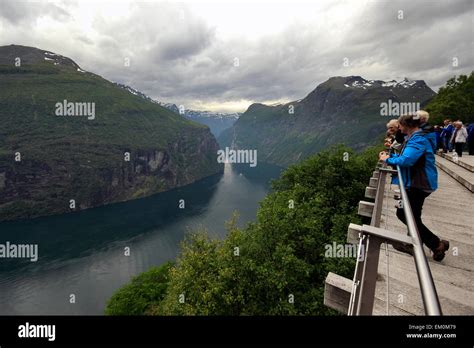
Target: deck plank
column 448, row 212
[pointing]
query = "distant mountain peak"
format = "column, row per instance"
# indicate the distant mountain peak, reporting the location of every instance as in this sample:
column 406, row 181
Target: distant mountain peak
column 32, row 56
column 343, row 109
column 358, row 82
column 216, row 121
column 58, row 59
column 256, row 106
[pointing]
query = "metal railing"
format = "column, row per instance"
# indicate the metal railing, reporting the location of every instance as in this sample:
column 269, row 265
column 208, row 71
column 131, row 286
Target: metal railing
column 427, row 286
column 365, row 275
column 371, row 237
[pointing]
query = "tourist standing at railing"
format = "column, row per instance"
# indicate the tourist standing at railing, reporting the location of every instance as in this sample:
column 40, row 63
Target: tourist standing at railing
column 426, row 128
column 395, row 138
column 439, row 143
column 459, row 137
column 446, row 135
column 417, row 166
column 470, row 138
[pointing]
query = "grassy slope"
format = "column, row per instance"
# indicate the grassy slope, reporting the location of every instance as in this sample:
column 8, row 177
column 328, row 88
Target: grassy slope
column 27, row 108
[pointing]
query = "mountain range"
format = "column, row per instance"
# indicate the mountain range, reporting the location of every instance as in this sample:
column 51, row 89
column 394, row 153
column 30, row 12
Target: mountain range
column 55, row 161
column 340, row 110
column 134, row 146
column 216, row 121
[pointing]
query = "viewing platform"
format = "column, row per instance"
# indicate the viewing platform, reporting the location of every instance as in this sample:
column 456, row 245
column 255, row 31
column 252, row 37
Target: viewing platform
column 449, row 213
column 460, row 169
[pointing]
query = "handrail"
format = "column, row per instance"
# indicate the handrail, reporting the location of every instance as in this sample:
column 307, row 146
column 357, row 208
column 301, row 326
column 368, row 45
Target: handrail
column 427, row 286
column 370, row 237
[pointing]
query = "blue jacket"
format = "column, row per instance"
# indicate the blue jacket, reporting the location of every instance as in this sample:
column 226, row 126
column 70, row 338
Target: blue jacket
column 470, row 132
column 447, row 131
column 417, row 163
column 438, row 136
column 430, row 134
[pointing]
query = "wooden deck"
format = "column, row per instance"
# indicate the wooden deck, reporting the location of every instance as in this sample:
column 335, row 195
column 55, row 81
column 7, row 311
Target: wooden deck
column 449, row 213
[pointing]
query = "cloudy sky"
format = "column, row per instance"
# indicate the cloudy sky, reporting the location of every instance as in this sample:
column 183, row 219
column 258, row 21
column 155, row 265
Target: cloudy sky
column 223, row 56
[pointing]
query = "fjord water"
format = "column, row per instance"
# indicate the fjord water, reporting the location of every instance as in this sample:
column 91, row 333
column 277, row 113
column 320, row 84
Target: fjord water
column 82, row 253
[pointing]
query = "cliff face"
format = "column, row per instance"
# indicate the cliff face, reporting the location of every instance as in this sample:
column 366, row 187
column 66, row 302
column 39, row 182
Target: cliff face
column 131, row 149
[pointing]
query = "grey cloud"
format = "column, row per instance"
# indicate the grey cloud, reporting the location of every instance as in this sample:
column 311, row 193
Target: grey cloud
column 158, row 31
column 176, row 56
column 189, row 43
column 84, row 39
column 430, row 34
column 21, row 12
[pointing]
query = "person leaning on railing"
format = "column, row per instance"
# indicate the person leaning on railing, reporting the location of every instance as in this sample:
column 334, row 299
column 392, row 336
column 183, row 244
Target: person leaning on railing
column 417, row 166
column 427, row 129
column 394, row 139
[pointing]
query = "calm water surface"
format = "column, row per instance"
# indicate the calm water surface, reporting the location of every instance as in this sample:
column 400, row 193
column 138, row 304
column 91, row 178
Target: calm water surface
column 83, row 253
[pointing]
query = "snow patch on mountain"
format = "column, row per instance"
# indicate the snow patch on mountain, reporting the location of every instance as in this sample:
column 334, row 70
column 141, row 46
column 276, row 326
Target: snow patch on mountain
column 58, row 59
column 359, row 82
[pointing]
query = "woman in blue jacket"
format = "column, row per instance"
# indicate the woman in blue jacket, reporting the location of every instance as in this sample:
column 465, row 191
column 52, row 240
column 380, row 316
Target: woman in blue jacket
column 418, row 170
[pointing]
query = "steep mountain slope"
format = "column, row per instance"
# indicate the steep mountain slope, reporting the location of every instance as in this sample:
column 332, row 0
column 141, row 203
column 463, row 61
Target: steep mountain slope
column 216, row 121
column 84, row 158
column 341, row 110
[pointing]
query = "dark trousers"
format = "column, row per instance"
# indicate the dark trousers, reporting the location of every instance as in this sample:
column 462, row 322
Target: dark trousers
column 447, row 145
column 458, row 148
column 417, row 198
column 439, row 144
column 471, row 146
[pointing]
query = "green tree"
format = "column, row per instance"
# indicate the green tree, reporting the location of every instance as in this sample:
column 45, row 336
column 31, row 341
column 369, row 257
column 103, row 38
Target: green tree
column 137, row 297
column 454, row 100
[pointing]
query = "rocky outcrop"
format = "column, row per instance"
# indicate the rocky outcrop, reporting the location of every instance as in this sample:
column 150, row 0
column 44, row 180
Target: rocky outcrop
column 32, row 188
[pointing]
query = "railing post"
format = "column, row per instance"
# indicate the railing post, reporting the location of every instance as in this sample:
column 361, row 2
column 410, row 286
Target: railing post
column 367, row 273
column 375, row 221
column 366, row 270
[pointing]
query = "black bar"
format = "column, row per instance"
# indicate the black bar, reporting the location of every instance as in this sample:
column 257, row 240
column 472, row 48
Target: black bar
column 240, row 330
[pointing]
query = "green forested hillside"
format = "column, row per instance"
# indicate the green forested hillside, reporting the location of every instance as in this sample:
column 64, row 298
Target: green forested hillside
column 73, row 157
column 455, row 100
column 257, row 270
